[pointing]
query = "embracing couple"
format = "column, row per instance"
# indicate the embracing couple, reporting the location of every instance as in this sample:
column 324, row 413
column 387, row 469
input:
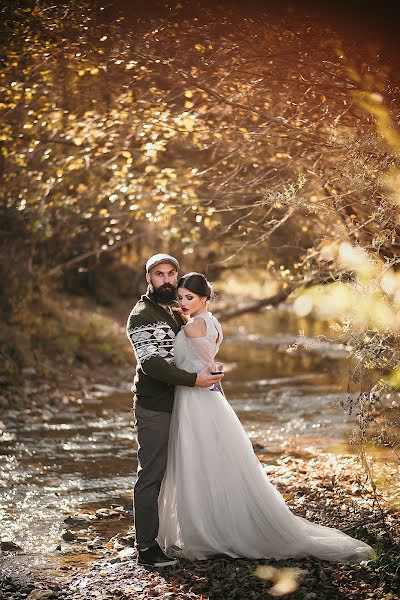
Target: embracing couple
column 200, row 490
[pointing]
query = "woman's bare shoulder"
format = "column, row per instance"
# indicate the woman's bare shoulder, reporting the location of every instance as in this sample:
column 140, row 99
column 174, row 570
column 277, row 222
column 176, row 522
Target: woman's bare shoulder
column 195, row 328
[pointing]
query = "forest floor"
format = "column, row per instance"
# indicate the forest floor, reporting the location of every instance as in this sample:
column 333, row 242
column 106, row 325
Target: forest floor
column 325, row 489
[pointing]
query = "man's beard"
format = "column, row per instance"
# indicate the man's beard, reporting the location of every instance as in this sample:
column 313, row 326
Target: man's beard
column 165, row 294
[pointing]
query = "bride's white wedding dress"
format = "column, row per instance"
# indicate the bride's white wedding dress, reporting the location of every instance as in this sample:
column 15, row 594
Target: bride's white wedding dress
column 215, row 497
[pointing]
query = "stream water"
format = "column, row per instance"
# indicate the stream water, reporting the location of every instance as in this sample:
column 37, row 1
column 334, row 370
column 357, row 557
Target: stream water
column 80, row 457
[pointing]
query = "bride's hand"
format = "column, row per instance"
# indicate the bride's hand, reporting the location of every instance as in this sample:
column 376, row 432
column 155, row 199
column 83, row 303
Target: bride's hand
column 178, row 309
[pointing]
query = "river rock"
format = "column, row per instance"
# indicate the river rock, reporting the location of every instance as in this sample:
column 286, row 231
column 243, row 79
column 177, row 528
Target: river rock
column 257, row 447
column 119, row 508
column 127, row 553
column 68, row 536
column 8, row 546
column 106, row 390
column 126, row 541
column 96, row 543
column 4, row 403
column 107, row 513
column 29, row 371
column 79, row 519
column 40, row 595
column 112, row 561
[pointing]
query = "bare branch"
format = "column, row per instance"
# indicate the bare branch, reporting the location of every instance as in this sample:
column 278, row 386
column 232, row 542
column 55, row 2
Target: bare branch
column 281, row 296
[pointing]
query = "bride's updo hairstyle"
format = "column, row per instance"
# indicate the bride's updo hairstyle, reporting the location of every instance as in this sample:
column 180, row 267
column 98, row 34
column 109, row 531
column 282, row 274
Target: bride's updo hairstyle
column 196, row 283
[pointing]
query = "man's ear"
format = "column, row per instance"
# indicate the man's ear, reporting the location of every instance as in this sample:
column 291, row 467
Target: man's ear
column 148, row 277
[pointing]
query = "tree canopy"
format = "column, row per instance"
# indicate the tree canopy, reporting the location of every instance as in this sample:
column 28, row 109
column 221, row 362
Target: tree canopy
column 237, row 141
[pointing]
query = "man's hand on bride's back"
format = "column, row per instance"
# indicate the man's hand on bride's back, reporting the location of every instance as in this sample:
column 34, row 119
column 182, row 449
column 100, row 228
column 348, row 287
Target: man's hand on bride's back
column 205, row 379
column 178, row 309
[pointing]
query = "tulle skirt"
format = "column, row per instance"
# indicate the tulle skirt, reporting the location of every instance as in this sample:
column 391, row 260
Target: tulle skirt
column 216, row 498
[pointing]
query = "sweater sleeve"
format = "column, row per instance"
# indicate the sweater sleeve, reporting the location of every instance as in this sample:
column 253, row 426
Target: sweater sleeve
column 148, row 344
column 160, row 369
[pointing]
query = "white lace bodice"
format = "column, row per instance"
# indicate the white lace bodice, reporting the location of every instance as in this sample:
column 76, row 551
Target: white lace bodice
column 192, row 354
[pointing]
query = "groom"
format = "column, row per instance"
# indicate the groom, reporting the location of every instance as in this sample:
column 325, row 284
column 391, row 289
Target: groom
column 151, row 329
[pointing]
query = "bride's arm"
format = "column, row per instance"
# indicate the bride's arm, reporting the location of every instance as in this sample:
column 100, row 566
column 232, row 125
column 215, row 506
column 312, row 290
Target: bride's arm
column 195, row 332
column 195, row 328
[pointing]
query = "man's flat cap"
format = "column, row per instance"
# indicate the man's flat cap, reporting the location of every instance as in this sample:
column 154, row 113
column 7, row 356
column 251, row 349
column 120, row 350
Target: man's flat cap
column 157, row 259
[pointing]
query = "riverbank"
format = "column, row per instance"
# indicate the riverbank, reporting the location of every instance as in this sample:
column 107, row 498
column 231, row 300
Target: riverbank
column 97, row 560
column 71, row 346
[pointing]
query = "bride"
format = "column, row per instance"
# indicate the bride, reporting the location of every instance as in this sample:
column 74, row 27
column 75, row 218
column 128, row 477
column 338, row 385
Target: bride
column 215, row 497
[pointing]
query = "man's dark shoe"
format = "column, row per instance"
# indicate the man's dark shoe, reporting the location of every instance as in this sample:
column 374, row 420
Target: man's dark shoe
column 154, row 557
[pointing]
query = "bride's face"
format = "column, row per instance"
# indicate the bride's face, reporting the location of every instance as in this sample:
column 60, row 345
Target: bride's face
column 190, row 303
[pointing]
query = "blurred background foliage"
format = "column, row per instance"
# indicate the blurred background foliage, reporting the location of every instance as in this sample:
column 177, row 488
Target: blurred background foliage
column 234, row 143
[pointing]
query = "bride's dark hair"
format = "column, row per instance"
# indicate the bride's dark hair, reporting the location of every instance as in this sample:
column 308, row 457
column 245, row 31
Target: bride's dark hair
column 196, row 283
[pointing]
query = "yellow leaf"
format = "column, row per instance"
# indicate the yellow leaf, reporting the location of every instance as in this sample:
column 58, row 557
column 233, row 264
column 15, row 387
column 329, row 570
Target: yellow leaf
column 78, row 141
column 187, row 123
column 200, row 48
column 394, row 378
column 188, row 94
column 94, row 71
column 126, row 154
column 188, row 104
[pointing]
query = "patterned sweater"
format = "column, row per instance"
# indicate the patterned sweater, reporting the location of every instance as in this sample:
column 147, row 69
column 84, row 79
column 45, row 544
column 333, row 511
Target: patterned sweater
column 151, row 330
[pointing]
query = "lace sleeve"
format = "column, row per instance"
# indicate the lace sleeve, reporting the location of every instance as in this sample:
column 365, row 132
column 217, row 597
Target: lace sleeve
column 203, row 348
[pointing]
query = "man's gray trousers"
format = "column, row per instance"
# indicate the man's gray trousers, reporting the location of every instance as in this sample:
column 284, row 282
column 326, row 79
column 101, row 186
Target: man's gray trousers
column 152, row 432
